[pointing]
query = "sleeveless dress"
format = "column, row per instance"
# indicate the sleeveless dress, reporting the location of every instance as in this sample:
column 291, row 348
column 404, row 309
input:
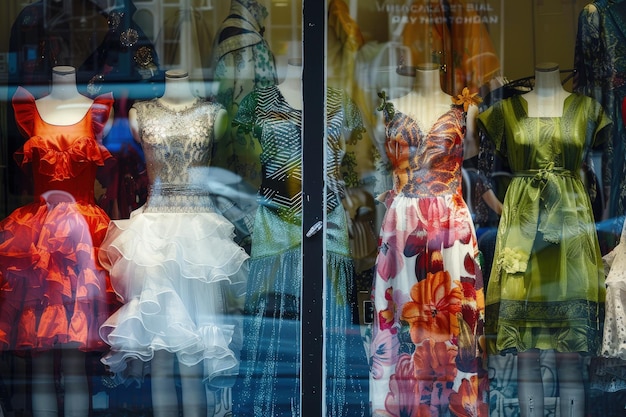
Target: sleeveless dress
column 269, row 382
column 546, row 288
column 53, row 291
column 426, row 348
column 173, row 263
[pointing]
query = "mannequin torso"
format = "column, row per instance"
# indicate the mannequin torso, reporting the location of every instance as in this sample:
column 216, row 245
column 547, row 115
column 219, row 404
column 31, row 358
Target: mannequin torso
column 291, row 87
column 64, row 105
column 427, row 102
column 548, row 96
column 178, row 96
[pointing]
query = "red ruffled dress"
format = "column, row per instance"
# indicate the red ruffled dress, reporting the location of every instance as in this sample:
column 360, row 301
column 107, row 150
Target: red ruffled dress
column 52, row 290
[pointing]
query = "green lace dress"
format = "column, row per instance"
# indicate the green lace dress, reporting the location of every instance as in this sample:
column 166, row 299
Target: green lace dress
column 547, row 282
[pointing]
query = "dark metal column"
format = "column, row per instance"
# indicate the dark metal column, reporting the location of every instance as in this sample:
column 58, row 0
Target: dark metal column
column 314, row 115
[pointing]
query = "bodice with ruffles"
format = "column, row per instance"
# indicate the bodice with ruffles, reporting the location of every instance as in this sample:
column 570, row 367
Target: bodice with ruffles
column 63, row 157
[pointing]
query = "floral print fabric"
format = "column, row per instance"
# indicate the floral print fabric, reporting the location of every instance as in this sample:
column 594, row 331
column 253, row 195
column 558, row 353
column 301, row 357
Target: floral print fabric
column 426, row 353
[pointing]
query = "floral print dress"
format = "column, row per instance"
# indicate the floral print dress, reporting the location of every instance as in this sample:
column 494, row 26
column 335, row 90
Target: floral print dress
column 426, row 355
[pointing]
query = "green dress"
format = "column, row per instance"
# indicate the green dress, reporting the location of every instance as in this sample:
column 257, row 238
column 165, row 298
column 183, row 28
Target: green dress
column 547, row 282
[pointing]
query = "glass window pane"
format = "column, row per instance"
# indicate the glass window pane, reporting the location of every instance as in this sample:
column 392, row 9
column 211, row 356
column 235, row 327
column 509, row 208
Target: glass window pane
column 150, row 255
column 468, row 204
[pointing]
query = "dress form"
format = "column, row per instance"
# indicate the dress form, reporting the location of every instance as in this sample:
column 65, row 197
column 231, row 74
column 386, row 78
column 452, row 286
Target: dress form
column 178, row 96
column 427, row 101
column 291, row 87
column 546, row 99
column 64, row 105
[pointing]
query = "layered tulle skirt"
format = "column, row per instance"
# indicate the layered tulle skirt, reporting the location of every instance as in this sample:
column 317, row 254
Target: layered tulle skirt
column 182, row 280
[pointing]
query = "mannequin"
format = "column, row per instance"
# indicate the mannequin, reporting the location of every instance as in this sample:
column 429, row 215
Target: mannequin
column 427, row 102
column 191, row 338
column 269, row 382
column 178, row 95
column 63, row 106
column 424, row 138
column 534, row 269
column 291, row 86
column 547, row 100
column 69, row 124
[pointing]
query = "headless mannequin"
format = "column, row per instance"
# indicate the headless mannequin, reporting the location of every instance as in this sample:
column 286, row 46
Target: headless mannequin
column 178, row 95
column 427, row 102
column 548, row 96
column 63, row 106
column 546, row 100
column 291, row 87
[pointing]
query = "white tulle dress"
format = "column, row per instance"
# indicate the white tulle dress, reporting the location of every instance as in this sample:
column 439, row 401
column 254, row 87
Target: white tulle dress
column 174, row 263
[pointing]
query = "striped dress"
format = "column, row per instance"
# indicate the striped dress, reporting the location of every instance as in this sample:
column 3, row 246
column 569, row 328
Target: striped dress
column 269, row 379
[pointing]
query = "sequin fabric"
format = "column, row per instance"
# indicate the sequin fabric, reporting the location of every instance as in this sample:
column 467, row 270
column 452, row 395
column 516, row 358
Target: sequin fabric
column 177, row 146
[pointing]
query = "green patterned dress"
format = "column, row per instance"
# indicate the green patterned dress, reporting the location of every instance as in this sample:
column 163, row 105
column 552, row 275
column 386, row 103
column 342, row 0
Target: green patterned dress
column 547, row 282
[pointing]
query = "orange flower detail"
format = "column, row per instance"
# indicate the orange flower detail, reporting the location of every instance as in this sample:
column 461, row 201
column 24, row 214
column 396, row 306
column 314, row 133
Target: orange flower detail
column 435, row 362
column 466, row 99
column 433, row 312
column 466, row 402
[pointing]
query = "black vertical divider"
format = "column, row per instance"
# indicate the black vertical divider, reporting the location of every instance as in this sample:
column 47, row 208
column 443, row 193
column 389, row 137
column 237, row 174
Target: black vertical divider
column 313, row 88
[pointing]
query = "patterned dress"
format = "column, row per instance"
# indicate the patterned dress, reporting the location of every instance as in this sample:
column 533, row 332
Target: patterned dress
column 174, row 263
column 614, row 337
column 547, row 281
column 243, row 61
column 428, row 293
column 600, row 63
column 269, row 383
column 53, row 291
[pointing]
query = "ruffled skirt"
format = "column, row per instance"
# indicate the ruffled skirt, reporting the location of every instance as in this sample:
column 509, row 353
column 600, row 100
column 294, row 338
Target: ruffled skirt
column 53, row 291
column 182, row 280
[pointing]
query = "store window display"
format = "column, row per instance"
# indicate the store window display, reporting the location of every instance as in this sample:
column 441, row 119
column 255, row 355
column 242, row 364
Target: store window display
column 55, row 294
column 546, row 288
column 174, row 263
column 428, row 291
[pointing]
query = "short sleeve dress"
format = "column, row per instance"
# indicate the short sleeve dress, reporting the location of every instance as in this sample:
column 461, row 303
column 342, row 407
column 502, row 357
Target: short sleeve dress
column 547, row 282
column 53, row 290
